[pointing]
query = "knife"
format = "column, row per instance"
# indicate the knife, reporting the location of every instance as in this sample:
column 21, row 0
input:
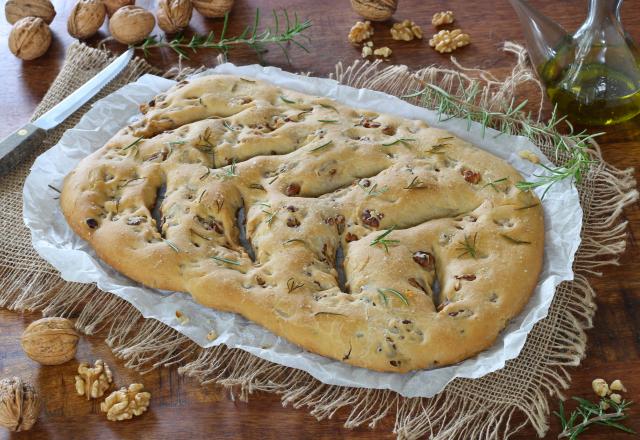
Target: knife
column 15, row 147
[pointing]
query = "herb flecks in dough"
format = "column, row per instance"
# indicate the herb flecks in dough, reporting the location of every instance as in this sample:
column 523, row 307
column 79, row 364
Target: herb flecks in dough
column 402, row 298
column 469, row 246
column 380, row 239
column 372, row 190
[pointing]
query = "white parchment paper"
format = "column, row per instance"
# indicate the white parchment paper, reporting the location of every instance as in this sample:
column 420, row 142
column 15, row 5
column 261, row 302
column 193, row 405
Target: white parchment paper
column 76, row 261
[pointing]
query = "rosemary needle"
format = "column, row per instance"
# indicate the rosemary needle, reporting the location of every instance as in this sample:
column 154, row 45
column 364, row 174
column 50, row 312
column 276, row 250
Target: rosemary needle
column 402, row 298
column 132, row 144
column 226, row 260
column 326, row 144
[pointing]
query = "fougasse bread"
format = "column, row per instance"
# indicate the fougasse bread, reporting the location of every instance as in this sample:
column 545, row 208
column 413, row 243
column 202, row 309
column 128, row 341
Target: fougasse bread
column 364, row 237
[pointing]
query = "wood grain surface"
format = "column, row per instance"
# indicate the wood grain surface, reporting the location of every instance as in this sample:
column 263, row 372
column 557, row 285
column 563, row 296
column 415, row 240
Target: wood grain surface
column 181, row 409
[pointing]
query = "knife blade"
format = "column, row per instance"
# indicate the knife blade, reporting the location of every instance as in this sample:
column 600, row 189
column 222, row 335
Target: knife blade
column 24, row 140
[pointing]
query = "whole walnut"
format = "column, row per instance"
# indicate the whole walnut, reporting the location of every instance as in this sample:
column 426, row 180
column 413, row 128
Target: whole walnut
column 375, row 10
column 29, row 38
column 14, row 10
column 19, row 404
column 50, row 341
column 213, row 8
column 113, row 5
column 174, row 15
column 86, row 18
column 131, row 24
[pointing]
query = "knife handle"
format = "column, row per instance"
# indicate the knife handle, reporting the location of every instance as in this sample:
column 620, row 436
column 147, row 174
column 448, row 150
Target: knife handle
column 15, row 147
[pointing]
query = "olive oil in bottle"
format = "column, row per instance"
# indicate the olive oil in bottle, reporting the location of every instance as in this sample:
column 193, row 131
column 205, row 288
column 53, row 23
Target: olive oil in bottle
column 594, row 94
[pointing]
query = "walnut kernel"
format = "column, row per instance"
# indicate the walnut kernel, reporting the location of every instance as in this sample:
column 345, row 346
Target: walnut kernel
column 383, row 52
column 174, row 15
column 376, row 10
column 615, row 397
column 14, row 10
column 29, row 38
column 441, row 18
column 213, row 8
column 86, row 18
column 93, row 382
column 600, row 387
column 113, row 5
column 367, row 51
column 360, row 31
column 406, row 30
column 50, row 341
column 448, row 41
column 617, row 385
column 19, row 404
column 126, row 403
column 131, row 24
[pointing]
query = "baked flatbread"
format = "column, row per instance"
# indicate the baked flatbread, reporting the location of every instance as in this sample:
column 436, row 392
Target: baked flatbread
column 247, row 195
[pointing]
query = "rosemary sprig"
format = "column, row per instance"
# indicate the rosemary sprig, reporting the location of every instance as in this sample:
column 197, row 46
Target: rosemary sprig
column 415, row 183
column 373, row 191
column 573, row 147
column 328, row 121
column 226, row 260
column 229, row 171
column 492, row 184
column 468, row 246
column 292, row 32
column 380, row 239
column 402, row 298
column 270, row 216
column 292, row 284
column 54, row 188
column 174, row 143
column 589, row 413
column 404, row 141
column 514, row 240
column 228, row 126
column 326, row 144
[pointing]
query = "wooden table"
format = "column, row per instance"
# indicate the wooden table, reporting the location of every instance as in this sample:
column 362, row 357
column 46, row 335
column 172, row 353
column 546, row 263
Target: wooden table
column 182, row 409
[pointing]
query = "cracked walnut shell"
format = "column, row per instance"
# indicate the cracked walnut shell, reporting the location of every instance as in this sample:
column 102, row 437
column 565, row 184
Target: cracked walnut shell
column 174, row 15
column 126, row 403
column 213, row 8
column 406, row 30
column 131, row 24
column 50, row 341
column 376, row 10
column 448, row 41
column 14, row 10
column 86, row 18
column 19, row 404
column 93, row 382
column 442, row 18
column 360, row 31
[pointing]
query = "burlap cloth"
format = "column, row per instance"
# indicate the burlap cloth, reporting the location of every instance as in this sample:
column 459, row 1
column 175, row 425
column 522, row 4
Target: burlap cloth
column 481, row 408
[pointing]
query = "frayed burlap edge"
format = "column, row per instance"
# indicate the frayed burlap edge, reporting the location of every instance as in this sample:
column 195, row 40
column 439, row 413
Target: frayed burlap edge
column 482, row 408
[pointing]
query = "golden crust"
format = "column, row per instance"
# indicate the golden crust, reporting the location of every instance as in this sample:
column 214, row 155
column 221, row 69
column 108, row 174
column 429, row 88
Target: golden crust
column 314, row 179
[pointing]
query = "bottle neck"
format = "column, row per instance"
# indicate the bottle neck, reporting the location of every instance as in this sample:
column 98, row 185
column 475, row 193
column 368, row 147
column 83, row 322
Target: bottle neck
column 604, row 10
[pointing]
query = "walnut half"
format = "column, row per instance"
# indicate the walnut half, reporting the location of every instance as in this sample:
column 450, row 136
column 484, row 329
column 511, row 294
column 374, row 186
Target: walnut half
column 360, row 31
column 93, row 382
column 406, row 30
column 448, row 41
column 126, row 403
